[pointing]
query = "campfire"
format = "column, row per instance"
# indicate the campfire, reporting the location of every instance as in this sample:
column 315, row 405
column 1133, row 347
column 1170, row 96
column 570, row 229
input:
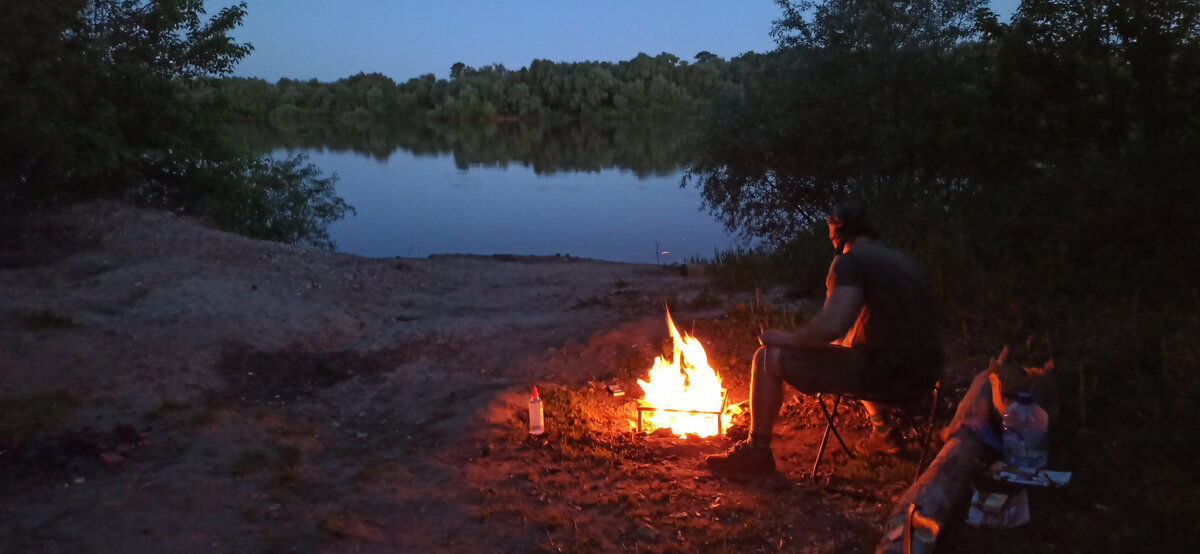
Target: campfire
column 684, row 394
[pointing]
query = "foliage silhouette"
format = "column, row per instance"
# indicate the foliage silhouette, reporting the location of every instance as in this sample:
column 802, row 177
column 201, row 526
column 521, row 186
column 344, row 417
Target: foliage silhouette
column 1042, row 171
column 102, row 99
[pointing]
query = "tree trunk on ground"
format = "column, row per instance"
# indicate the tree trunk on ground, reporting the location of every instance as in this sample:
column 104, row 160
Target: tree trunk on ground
column 943, row 487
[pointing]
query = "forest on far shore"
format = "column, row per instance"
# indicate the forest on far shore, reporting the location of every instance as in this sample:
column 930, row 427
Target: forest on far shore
column 644, row 87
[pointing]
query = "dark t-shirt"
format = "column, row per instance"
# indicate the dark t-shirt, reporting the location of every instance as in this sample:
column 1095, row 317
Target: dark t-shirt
column 897, row 325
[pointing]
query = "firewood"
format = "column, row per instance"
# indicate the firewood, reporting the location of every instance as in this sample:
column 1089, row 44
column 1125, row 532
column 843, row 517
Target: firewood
column 976, row 404
column 941, row 490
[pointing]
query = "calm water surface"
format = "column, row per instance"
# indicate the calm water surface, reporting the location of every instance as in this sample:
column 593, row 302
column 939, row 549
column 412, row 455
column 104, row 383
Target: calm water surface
column 448, row 201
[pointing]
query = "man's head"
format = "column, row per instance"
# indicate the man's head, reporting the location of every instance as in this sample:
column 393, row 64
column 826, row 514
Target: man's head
column 848, row 221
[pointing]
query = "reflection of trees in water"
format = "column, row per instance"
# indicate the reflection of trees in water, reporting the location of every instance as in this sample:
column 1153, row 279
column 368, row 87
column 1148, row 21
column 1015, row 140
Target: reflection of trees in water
column 646, row 149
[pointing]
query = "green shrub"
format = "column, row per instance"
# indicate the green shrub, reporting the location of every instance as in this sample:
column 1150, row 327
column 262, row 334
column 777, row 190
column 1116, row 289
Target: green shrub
column 47, row 319
column 26, row 417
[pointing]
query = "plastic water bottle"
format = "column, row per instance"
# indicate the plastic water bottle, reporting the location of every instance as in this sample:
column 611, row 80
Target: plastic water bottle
column 1026, row 435
column 536, row 426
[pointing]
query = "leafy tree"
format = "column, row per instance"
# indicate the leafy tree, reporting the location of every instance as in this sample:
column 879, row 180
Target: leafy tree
column 90, row 93
column 283, row 200
column 109, row 98
column 854, row 99
column 1041, row 171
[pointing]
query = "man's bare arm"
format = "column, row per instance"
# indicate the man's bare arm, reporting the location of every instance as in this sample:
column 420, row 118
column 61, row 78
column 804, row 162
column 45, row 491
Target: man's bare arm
column 835, row 319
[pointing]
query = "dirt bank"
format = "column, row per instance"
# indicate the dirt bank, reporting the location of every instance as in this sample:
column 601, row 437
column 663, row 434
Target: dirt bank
column 169, row 387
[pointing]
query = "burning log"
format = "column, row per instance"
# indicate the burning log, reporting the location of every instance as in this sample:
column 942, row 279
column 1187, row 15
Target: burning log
column 642, row 409
column 684, row 394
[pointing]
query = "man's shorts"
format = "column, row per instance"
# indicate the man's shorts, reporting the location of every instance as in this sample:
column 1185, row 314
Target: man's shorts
column 839, row 370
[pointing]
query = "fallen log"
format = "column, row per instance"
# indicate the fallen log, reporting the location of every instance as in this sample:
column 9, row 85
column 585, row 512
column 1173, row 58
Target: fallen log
column 938, row 493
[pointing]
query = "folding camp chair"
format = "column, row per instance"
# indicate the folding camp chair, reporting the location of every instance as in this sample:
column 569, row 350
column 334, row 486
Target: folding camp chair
column 831, row 426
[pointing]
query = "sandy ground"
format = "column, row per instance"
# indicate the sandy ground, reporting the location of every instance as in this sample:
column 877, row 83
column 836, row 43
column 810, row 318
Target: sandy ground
column 231, row 395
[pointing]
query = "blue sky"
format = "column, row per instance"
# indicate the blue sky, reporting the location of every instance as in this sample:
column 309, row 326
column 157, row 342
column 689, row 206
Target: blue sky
column 328, row 40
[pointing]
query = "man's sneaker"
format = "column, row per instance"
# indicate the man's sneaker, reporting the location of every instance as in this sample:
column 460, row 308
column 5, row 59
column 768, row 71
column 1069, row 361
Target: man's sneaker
column 880, row 443
column 744, row 457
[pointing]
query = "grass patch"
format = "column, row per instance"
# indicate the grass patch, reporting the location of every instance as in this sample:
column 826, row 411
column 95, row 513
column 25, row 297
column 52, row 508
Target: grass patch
column 372, row 471
column 164, row 409
column 249, row 463
column 285, row 467
column 877, row 469
column 27, row 417
column 207, row 414
column 281, row 463
column 706, row 298
column 591, row 302
column 336, row 525
column 632, row 363
column 800, row 265
column 757, row 317
column 574, row 432
column 580, row 426
column 48, row 319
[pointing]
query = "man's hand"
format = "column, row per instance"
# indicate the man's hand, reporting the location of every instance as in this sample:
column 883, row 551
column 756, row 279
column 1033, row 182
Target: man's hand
column 840, row 311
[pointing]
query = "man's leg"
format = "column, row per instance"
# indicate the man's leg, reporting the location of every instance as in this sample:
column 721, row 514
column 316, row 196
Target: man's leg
column 883, row 439
column 875, row 415
column 837, row 370
column 766, row 394
column 766, row 397
column 817, row 369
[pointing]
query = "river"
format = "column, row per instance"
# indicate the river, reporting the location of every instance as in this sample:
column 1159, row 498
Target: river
column 610, row 192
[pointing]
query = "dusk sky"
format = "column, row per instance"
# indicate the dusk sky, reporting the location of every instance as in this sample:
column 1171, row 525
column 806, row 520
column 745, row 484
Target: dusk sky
column 327, row 40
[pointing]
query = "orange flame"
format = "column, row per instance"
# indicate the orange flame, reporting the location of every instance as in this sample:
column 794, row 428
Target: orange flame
column 686, row 383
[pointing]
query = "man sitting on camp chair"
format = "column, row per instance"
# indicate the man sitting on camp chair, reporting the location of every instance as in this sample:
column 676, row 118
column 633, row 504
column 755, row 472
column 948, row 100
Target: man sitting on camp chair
column 879, row 311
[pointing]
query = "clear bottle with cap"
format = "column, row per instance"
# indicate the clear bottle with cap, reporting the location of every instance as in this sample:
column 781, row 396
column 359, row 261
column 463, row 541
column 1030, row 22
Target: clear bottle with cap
column 1026, row 435
column 536, row 423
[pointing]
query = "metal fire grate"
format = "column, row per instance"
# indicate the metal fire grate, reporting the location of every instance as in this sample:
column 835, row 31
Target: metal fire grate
column 642, row 409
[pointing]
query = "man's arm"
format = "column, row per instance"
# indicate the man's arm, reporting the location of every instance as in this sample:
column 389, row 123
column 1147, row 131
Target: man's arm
column 835, row 319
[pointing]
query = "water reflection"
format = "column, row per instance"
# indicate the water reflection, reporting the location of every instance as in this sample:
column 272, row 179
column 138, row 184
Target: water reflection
column 646, row 150
column 605, row 192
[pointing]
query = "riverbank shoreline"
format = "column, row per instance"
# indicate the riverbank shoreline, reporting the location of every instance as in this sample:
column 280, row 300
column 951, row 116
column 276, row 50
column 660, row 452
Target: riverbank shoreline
column 166, row 386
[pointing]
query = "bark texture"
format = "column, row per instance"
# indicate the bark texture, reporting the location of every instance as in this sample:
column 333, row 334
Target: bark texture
column 941, row 489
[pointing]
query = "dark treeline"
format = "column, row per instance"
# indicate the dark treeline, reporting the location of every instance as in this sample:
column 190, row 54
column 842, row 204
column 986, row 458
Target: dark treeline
column 645, row 87
column 1044, row 172
column 935, row 99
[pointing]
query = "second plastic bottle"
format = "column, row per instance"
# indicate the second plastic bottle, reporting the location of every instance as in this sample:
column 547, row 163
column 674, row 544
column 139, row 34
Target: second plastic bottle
column 1026, row 435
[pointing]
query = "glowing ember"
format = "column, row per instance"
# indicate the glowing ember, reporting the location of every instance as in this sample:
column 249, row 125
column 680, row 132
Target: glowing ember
column 685, row 384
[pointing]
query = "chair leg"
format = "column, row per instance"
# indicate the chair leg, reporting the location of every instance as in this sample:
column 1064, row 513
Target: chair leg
column 825, row 437
column 928, row 430
column 831, row 419
column 829, row 426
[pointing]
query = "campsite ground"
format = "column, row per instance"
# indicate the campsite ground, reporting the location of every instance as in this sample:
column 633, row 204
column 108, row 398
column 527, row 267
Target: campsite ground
column 166, row 387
